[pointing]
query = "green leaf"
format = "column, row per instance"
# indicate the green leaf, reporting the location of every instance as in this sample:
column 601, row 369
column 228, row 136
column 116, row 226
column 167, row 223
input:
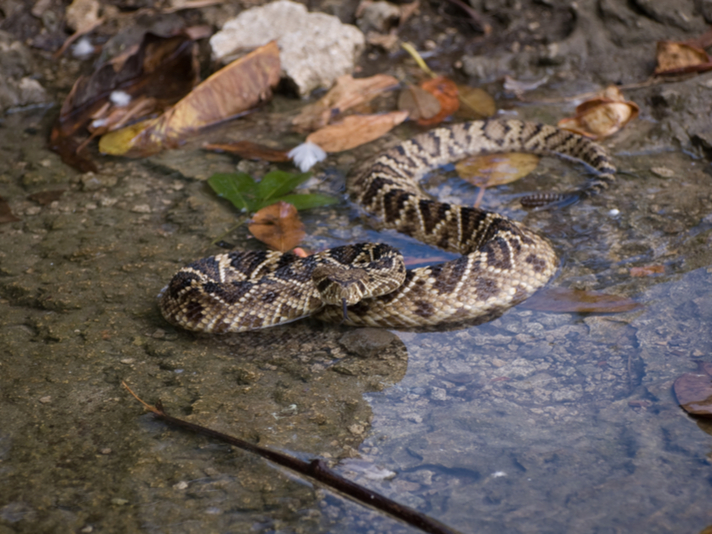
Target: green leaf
column 278, row 183
column 238, row 188
column 305, row 202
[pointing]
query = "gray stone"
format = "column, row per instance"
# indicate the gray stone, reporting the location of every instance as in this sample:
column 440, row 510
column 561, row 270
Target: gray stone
column 17, row 89
column 315, row 48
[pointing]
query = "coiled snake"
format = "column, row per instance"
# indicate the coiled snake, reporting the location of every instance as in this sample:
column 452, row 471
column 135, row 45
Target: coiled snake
column 501, row 263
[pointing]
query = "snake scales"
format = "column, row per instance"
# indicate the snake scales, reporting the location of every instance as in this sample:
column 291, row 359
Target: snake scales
column 501, row 263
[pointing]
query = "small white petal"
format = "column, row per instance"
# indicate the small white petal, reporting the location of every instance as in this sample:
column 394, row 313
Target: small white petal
column 120, row 98
column 98, row 123
column 83, row 48
column 499, row 474
column 306, row 155
column 614, row 212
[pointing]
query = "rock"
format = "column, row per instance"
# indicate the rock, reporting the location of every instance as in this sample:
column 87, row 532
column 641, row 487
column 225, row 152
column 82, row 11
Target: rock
column 367, row 342
column 379, row 16
column 17, row 89
column 315, row 48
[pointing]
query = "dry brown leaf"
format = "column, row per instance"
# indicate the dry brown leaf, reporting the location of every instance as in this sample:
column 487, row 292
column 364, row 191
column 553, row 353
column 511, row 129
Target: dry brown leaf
column 694, row 391
column 250, row 150
column 602, row 116
column 475, row 103
column 496, row 169
column 681, row 58
column 6, row 214
column 278, row 226
column 445, row 90
column 648, row 270
column 564, row 300
column 356, row 130
column 347, row 93
column 419, row 103
column 234, row 89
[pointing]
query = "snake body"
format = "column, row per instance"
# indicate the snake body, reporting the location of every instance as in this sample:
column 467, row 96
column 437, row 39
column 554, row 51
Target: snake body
column 501, row 261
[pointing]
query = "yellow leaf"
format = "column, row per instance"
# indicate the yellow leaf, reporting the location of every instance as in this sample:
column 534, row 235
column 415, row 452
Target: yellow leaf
column 496, row 169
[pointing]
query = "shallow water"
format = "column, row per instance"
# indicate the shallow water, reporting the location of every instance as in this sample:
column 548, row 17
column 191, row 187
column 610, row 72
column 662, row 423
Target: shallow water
column 534, row 422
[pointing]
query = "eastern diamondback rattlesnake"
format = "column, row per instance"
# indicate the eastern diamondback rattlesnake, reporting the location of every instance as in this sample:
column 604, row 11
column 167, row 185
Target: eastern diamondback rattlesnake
column 501, row 263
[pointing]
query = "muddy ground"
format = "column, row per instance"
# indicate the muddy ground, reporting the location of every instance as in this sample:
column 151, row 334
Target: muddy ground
column 534, row 422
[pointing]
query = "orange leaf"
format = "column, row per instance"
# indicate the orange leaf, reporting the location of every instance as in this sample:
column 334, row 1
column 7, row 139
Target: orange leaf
column 347, row 93
column 250, row 150
column 356, row 130
column 564, row 300
column 419, row 103
column 234, row 89
column 680, row 58
column 445, row 90
column 602, row 116
column 278, row 226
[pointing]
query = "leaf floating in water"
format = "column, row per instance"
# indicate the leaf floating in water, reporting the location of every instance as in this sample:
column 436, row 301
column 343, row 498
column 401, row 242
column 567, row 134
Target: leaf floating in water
column 602, row 116
column 475, row 103
column 496, row 169
column 6, row 214
column 278, row 225
column 232, row 90
column 346, row 94
column 356, row 130
column 681, row 58
column 445, row 90
column 419, row 103
column 250, row 150
column 694, row 391
column 564, row 300
column 648, row 270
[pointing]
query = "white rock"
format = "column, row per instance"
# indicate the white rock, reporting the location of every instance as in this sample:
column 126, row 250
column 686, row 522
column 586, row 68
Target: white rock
column 315, row 48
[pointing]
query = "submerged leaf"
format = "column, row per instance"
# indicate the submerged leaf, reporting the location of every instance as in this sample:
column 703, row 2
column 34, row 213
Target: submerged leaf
column 445, row 90
column 419, row 103
column 238, row 188
column 496, row 169
column 356, row 130
column 232, row 90
column 564, row 300
column 475, row 103
column 249, row 150
column 278, row 226
column 309, row 201
column 694, row 391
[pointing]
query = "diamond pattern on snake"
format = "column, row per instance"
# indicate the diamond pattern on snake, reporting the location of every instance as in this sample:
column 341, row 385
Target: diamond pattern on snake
column 501, row 261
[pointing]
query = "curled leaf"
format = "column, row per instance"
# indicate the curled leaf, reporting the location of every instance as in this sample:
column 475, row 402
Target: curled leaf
column 232, row 90
column 564, row 300
column 278, row 225
column 445, row 90
column 602, row 116
column 356, row 130
column 680, row 58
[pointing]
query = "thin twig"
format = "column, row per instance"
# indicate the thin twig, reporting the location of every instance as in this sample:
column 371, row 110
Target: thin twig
column 316, row 469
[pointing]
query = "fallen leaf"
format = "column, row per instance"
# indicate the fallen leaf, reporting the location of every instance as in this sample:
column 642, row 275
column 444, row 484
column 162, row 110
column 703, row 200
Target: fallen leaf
column 6, row 214
column 564, row 300
column 445, row 90
column 232, row 90
column 680, row 58
column 164, row 69
column 278, row 226
column 648, row 270
column 475, row 103
column 496, row 169
column 419, row 103
column 347, row 93
column 694, row 391
column 44, row 198
column 602, row 116
column 356, row 130
column 250, row 150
